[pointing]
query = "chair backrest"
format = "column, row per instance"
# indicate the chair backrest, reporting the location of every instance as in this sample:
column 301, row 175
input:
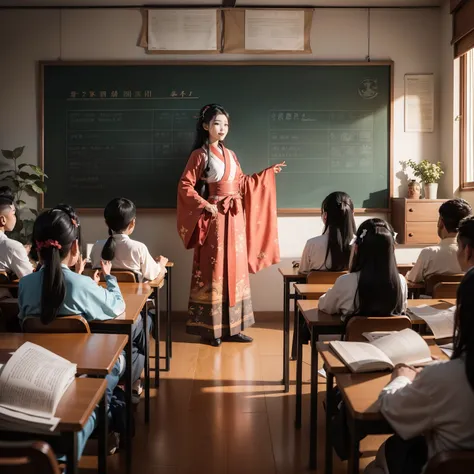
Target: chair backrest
column 124, row 276
column 360, row 324
column 64, row 324
column 452, row 462
column 433, row 280
column 323, row 277
column 4, row 277
column 445, row 289
column 28, row 457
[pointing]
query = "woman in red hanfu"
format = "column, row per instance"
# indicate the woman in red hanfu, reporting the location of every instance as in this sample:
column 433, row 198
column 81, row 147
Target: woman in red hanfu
column 230, row 220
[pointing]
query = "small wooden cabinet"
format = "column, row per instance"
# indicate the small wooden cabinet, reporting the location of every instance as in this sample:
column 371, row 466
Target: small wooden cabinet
column 415, row 220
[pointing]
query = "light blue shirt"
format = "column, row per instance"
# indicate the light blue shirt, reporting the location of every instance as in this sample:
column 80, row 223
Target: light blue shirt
column 83, row 296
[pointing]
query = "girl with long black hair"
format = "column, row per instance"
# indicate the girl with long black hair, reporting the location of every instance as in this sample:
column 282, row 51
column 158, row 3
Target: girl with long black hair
column 373, row 286
column 331, row 250
column 229, row 219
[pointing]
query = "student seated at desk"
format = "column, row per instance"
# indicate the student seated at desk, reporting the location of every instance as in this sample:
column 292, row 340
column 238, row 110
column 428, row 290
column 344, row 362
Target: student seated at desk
column 432, row 410
column 441, row 259
column 465, row 242
column 127, row 254
column 373, row 287
column 13, row 255
column 55, row 291
column 331, row 250
column 120, row 249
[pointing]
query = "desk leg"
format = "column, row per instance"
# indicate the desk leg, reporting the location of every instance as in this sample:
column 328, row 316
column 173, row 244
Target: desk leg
column 157, row 337
column 169, row 348
column 128, row 400
column 147, row 363
column 353, row 462
column 299, row 372
column 313, row 428
column 103, row 430
column 294, row 347
column 329, row 412
column 71, row 453
column 286, row 335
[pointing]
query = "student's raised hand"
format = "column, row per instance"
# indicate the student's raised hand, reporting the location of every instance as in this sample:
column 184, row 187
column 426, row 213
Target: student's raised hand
column 402, row 370
column 97, row 276
column 106, row 267
column 278, row 167
column 162, row 260
column 80, row 264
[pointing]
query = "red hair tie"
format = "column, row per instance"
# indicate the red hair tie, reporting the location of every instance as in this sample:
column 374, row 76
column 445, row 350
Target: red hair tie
column 48, row 244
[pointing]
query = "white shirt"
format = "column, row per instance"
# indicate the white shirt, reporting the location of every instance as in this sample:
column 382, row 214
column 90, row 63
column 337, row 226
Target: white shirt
column 13, row 257
column 314, row 254
column 129, row 255
column 437, row 260
column 439, row 404
column 340, row 298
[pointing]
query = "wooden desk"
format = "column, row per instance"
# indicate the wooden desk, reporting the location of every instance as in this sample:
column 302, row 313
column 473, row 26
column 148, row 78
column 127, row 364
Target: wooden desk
column 94, row 354
column 290, row 275
column 334, row 366
column 311, row 290
column 74, row 409
column 318, row 323
column 134, row 301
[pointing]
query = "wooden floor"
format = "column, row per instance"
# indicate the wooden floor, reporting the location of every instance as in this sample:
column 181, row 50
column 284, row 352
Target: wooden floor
column 223, row 411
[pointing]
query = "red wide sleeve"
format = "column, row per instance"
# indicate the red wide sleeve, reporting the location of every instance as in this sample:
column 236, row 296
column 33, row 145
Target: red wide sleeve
column 193, row 222
column 259, row 191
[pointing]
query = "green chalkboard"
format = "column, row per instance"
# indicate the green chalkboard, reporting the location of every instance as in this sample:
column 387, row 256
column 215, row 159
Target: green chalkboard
column 126, row 129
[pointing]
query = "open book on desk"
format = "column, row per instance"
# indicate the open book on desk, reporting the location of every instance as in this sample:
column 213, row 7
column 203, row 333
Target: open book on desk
column 403, row 347
column 32, row 383
column 440, row 321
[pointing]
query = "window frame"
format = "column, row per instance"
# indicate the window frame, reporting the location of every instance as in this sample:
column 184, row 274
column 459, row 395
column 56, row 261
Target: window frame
column 464, row 183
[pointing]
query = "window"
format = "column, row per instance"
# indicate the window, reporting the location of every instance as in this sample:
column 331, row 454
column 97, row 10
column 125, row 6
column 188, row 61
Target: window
column 467, row 120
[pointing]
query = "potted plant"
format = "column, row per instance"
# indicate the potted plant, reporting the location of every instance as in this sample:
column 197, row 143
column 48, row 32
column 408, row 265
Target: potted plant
column 22, row 179
column 429, row 174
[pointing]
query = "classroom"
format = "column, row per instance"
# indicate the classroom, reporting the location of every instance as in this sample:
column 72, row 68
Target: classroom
column 258, row 407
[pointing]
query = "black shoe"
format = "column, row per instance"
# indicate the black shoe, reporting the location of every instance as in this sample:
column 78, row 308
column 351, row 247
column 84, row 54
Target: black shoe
column 212, row 342
column 239, row 338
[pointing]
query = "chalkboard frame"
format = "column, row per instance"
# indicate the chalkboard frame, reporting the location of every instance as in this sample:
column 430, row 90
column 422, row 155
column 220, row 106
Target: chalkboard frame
column 286, row 211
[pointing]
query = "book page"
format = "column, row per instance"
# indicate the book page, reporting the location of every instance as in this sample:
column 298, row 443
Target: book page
column 361, row 356
column 441, row 322
column 404, row 347
column 34, row 380
column 374, row 335
column 447, row 349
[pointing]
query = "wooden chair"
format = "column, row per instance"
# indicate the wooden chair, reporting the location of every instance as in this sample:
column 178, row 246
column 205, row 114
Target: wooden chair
column 445, row 289
column 323, row 277
column 433, row 280
column 124, row 276
column 452, row 462
column 64, row 324
column 359, row 324
column 28, row 457
column 4, row 277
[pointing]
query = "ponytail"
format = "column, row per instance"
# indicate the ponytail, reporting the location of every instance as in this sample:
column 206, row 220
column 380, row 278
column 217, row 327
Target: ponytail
column 54, row 232
column 118, row 215
column 54, row 288
column 108, row 252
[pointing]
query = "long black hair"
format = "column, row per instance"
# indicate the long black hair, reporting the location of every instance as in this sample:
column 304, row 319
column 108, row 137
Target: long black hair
column 379, row 291
column 54, row 232
column 463, row 338
column 340, row 227
column 118, row 214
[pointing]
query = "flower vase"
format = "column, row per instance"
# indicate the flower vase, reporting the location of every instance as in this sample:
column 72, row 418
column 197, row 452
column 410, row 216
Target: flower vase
column 430, row 190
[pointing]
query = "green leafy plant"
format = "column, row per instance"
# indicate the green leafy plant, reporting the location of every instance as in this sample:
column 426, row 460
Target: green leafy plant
column 23, row 179
column 425, row 170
